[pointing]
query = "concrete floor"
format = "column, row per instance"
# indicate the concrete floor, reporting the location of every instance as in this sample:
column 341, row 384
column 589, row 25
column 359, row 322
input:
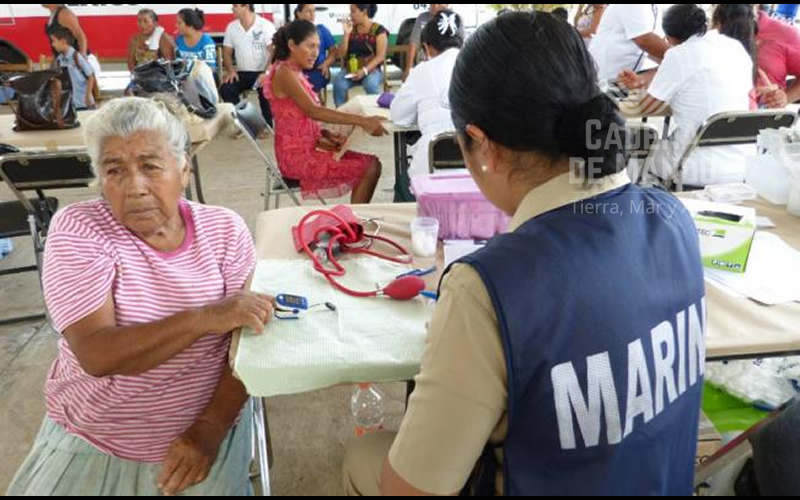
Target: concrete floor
column 309, row 431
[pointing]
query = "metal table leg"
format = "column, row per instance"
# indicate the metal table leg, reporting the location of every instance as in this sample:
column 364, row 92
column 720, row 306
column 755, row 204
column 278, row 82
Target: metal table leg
column 402, row 190
column 260, row 429
column 667, row 122
column 198, row 183
column 398, row 166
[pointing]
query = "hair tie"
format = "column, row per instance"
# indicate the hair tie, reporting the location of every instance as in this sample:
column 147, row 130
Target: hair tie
column 448, row 23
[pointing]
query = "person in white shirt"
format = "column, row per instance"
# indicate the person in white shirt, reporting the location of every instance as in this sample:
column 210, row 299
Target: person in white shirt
column 627, row 39
column 249, row 38
column 703, row 74
column 422, row 100
column 415, row 42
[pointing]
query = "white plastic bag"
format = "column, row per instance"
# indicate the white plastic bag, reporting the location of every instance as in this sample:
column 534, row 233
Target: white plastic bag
column 95, row 64
column 768, row 383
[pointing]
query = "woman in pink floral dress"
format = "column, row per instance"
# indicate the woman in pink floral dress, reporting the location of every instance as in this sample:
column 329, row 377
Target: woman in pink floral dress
column 305, row 151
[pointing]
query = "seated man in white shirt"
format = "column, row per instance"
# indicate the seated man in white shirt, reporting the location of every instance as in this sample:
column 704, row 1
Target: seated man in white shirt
column 627, row 39
column 703, row 74
column 248, row 38
column 422, row 100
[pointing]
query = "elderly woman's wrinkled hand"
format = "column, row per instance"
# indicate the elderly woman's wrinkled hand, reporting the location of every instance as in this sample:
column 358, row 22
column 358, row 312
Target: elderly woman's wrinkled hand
column 244, row 309
column 190, row 458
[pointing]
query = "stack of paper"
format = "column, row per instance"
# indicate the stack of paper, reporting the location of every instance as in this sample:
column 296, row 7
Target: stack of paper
column 771, row 277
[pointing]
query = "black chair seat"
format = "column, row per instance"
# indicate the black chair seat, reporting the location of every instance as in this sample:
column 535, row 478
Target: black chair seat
column 13, row 220
column 291, row 183
column 14, row 217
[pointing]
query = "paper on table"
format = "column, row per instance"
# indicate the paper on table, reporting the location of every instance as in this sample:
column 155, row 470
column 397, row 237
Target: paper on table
column 725, row 288
column 365, row 340
column 731, row 193
column 770, row 271
column 456, row 249
column 765, row 223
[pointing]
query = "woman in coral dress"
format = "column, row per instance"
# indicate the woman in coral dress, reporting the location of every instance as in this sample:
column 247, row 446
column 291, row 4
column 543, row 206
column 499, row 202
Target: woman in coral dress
column 305, row 151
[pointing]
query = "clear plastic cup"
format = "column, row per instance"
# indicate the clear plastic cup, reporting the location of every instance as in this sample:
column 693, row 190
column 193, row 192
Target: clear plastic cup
column 425, row 236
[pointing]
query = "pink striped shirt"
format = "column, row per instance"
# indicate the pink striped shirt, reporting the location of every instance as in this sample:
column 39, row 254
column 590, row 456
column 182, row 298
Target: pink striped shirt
column 89, row 253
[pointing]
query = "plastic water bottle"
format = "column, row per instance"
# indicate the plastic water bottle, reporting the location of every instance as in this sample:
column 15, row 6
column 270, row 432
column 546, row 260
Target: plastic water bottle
column 367, row 408
column 6, row 247
column 352, row 64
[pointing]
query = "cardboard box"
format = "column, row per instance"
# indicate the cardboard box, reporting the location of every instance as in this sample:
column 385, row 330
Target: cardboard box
column 726, row 233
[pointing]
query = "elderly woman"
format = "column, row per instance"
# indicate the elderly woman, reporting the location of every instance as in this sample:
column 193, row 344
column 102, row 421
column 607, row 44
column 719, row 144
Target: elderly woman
column 145, row 289
column 151, row 43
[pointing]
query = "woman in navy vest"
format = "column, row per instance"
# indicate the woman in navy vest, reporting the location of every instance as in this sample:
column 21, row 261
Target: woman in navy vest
column 565, row 358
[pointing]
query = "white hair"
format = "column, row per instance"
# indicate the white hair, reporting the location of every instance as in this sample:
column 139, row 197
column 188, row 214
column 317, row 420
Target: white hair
column 126, row 116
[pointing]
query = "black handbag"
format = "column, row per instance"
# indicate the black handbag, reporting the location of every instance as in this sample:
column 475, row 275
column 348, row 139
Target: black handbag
column 156, row 77
column 44, row 101
column 175, row 78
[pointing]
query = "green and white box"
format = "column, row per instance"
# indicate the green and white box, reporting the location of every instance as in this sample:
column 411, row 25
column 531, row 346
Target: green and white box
column 726, row 233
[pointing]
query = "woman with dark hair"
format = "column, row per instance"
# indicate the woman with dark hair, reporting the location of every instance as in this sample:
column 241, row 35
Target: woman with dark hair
column 62, row 16
column 192, row 43
column 565, row 346
column 422, row 100
column 738, row 21
column 305, row 151
column 320, row 75
column 415, row 43
column 703, row 74
column 364, row 49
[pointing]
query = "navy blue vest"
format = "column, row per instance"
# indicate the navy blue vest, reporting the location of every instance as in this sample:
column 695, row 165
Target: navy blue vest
column 601, row 306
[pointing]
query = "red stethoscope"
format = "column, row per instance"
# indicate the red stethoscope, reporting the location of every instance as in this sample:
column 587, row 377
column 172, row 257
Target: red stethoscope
column 347, row 240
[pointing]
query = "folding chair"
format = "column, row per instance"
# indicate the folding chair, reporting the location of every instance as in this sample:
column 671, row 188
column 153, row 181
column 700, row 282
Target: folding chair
column 444, row 153
column 251, row 123
column 642, row 138
column 392, row 70
column 36, row 172
column 731, row 129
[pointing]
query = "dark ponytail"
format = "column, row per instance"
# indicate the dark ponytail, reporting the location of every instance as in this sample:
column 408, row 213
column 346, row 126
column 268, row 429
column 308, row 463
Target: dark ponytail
column 297, row 31
column 685, row 20
column 549, row 101
column 369, row 8
column 444, row 31
column 194, row 18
